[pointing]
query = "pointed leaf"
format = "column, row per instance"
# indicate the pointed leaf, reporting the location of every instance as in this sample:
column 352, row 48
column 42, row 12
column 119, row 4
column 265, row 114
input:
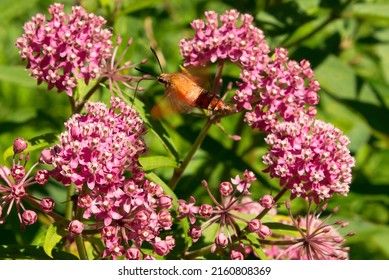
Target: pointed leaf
column 53, row 236
column 337, row 78
column 17, row 75
column 253, row 241
column 32, row 252
column 36, row 143
column 150, row 163
column 372, row 11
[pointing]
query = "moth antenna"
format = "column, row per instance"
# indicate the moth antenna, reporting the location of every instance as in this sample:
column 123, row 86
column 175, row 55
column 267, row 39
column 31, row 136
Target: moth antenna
column 144, row 72
column 156, row 56
column 135, row 93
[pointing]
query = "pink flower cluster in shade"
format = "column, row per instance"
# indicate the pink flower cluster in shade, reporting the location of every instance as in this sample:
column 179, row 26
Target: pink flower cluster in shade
column 65, row 48
column 318, row 240
column 227, row 214
column 310, row 157
column 272, row 88
column 99, row 152
column 17, row 181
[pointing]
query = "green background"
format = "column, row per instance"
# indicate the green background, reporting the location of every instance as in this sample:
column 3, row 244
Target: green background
column 347, row 43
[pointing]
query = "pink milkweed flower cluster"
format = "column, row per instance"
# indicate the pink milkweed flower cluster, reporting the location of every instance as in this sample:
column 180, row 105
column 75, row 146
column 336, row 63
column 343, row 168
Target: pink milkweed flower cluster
column 65, row 47
column 318, row 239
column 310, row 157
column 99, row 153
column 225, row 213
column 279, row 96
column 271, row 88
column 14, row 184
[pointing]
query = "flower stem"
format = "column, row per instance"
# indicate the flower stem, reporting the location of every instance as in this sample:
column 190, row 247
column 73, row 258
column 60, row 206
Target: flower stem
column 200, row 252
column 69, row 204
column 32, row 202
column 177, row 174
column 276, row 198
column 81, row 247
column 79, row 238
column 81, row 102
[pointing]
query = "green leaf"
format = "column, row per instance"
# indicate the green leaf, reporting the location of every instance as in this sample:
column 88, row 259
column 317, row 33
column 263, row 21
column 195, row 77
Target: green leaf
column 32, row 252
column 164, row 138
column 304, row 30
column 371, row 11
column 282, row 229
column 133, row 6
column 17, row 75
column 37, row 143
column 337, row 78
column 373, row 114
column 10, row 9
column 150, row 163
column 253, row 240
column 157, row 129
column 53, row 236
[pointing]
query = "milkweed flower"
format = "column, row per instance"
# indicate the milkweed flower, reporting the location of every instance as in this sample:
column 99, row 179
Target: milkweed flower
column 14, row 187
column 272, row 86
column 227, row 214
column 318, row 239
column 116, row 71
column 99, row 146
column 310, row 157
column 65, row 47
column 99, row 153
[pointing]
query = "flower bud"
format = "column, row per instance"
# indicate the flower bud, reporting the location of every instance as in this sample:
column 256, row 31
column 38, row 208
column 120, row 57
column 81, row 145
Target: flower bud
column 165, row 201
column 225, row 188
column 205, row 210
column 133, row 254
column 29, row 217
column 19, row 145
column 236, row 255
column 46, row 156
column 76, row 227
column 47, row 205
column 161, row 247
column 266, row 201
column 76, row 132
column 264, row 232
column 221, row 240
column 254, row 225
column 195, row 233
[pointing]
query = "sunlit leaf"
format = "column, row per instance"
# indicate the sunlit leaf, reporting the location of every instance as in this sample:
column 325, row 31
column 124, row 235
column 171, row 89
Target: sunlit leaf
column 153, row 162
column 36, row 143
column 53, row 237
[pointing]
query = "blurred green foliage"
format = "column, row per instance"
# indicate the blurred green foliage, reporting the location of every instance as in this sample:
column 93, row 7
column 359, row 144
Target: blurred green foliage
column 347, row 43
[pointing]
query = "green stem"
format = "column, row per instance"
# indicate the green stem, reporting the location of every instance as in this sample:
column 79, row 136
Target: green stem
column 80, row 103
column 177, row 174
column 81, row 247
column 79, row 238
column 200, row 252
column 276, row 198
column 69, row 204
column 35, row 204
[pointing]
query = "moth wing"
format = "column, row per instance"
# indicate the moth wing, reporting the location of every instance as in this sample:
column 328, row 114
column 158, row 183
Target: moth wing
column 199, row 75
column 169, row 104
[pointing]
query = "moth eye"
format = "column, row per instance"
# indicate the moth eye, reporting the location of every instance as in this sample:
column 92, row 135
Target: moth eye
column 162, row 80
